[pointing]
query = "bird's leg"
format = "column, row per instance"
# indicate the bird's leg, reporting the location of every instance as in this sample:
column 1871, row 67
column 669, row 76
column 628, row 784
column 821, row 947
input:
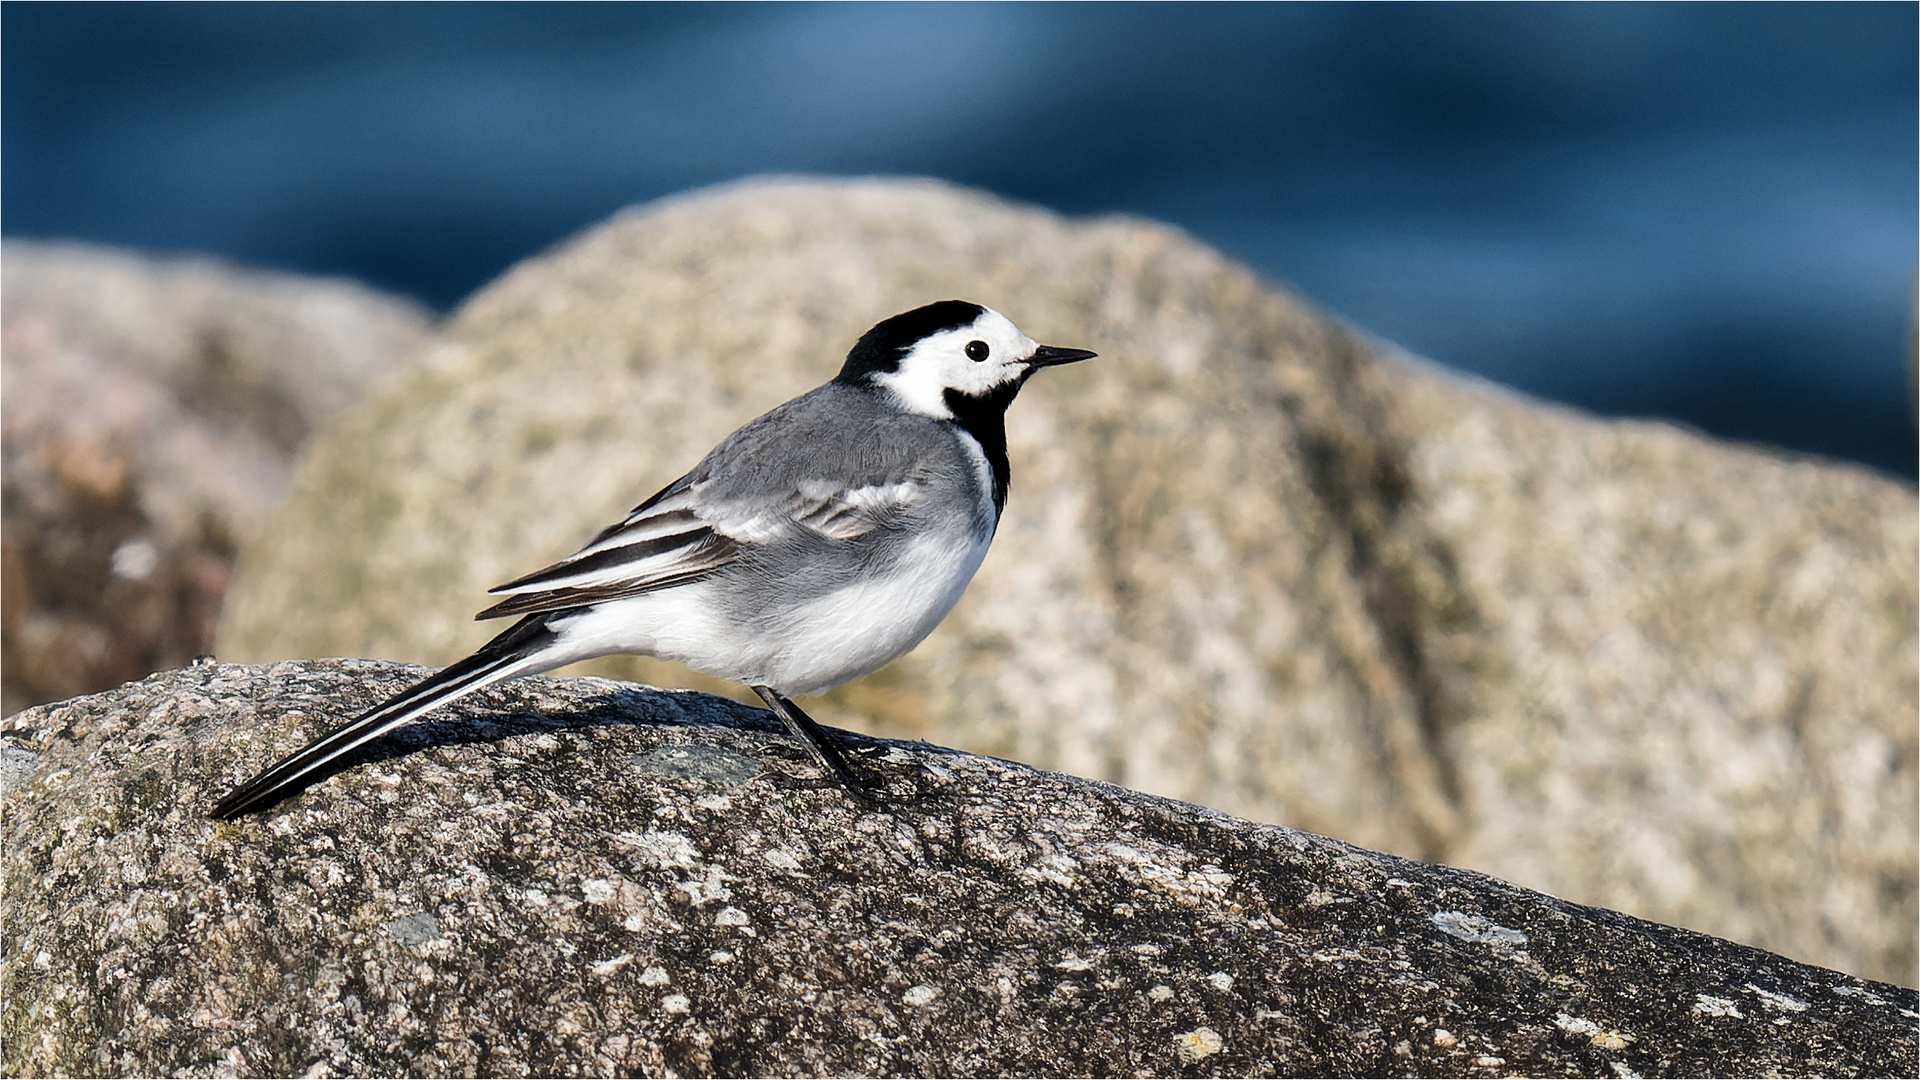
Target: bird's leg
column 817, row 741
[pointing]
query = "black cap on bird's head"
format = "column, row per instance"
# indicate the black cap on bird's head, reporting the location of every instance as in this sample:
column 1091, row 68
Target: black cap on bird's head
column 957, row 362
column 881, row 348
column 952, row 347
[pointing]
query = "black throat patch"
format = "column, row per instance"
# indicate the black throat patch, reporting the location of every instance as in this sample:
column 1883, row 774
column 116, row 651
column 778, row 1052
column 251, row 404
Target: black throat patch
column 984, row 416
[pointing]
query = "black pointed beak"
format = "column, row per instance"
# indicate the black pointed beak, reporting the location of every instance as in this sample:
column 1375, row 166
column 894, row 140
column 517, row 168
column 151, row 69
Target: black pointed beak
column 1049, row 356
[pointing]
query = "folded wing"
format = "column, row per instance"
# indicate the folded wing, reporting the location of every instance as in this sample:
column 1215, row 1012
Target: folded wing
column 676, row 537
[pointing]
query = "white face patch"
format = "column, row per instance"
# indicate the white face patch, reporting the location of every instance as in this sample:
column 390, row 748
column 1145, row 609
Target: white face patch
column 947, row 361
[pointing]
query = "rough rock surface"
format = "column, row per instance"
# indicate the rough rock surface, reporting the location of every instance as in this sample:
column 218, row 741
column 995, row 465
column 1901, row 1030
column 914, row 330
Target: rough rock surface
column 1248, row 559
column 597, row 878
column 150, row 412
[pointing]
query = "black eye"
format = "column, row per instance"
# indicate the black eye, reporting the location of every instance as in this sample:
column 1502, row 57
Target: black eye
column 977, row 351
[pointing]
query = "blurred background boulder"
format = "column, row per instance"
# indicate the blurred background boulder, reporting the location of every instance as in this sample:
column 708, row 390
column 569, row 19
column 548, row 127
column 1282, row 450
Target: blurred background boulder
column 1250, row 558
column 150, row 410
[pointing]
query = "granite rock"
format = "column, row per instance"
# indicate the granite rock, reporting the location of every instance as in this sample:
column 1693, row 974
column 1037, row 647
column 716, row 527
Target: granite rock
column 583, row 877
column 1251, row 558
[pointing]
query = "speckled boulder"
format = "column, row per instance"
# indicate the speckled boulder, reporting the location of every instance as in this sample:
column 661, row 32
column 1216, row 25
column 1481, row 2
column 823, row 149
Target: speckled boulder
column 587, row 877
column 1249, row 559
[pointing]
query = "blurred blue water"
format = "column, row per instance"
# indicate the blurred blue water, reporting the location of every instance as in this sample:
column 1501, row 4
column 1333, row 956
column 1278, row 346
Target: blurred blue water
column 1704, row 212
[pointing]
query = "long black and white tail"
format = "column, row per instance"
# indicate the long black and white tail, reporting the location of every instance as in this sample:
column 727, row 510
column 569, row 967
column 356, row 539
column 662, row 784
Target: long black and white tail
column 515, row 652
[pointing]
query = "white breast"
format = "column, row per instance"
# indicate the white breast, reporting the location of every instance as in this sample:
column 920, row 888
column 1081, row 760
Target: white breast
column 858, row 629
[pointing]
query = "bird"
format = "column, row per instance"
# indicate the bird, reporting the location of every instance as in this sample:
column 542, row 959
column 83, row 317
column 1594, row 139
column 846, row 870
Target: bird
column 809, row 548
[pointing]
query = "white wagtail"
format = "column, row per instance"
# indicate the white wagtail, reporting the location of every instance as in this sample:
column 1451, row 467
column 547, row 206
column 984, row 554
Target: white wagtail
column 809, row 548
